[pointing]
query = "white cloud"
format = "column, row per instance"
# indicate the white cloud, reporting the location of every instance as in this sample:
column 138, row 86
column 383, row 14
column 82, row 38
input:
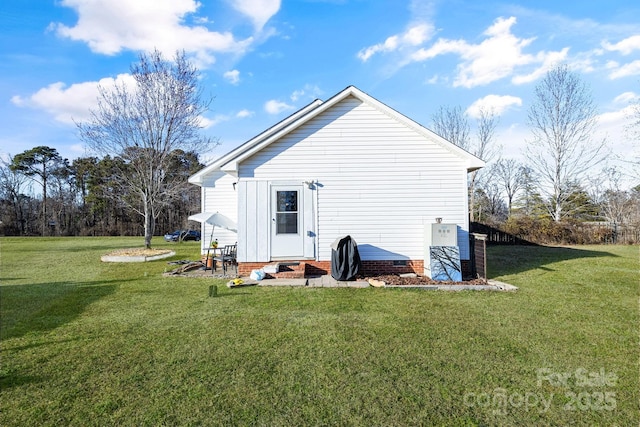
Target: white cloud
column 232, row 76
column 220, row 118
column 109, row 26
column 626, row 98
column 414, row 36
column 612, row 65
column 259, row 11
column 310, row 91
column 630, row 69
column 70, row 103
column 242, row 114
column 495, row 58
column 548, row 60
column 433, row 80
column 512, row 139
column 217, row 119
column 496, row 103
column 614, row 125
column 625, row 46
column 276, row 107
column 614, row 119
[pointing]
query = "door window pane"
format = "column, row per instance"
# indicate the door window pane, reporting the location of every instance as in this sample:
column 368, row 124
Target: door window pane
column 287, row 201
column 287, row 212
column 287, row 223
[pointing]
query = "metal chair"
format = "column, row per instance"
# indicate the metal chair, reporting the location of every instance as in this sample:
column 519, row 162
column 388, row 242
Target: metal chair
column 228, row 257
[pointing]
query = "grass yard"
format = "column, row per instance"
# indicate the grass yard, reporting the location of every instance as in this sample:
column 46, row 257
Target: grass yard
column 86, row 343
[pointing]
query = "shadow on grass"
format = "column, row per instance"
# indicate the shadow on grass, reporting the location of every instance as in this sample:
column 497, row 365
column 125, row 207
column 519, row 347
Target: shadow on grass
column 231, row 294
column 506, row 260
column 14, row 380
column 46, row 306
column 9, row 377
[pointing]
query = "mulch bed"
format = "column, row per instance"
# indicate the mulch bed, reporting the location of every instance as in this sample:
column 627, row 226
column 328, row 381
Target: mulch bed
column 393, row 280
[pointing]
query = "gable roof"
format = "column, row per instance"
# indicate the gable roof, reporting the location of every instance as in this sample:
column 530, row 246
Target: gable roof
column 229, row 162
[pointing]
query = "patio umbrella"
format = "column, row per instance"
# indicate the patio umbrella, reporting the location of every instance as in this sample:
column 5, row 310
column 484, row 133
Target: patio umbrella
column 216, row 219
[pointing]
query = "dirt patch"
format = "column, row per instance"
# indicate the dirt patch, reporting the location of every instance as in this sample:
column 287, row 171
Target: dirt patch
column 392, row 280
column 189, row 268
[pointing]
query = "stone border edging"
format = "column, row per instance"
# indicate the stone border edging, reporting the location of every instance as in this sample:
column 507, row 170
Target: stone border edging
column 492, row 285
column 117, row 258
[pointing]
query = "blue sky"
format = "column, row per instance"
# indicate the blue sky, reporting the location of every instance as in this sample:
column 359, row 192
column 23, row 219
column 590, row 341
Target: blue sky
column 264, row 59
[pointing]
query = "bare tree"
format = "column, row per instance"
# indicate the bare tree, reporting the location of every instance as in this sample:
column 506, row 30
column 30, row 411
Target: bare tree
column 453, row 125
column 510, row 176
column 144, row 125
column 490, row 207
column 633, row 130
column 562, row 120
column 484, row 149
column 529, row 201
column 616, row 205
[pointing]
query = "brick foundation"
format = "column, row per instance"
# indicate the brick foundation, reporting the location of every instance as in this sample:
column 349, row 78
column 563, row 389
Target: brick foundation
column 370, row 268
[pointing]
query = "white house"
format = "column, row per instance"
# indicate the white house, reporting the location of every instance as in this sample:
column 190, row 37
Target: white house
column 347, row 166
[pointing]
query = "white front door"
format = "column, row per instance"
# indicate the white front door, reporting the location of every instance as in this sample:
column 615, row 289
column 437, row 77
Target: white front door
column 287, row 221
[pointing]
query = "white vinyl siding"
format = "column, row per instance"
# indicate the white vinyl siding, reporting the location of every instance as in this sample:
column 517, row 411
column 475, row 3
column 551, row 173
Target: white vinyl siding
column 254, row 221
column 219, row 195
column 379, row 180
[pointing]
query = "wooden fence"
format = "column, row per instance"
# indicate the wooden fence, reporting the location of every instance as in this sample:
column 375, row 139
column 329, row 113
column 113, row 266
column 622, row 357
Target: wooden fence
column 497, row 236
column 579, row 233
column 479, row 255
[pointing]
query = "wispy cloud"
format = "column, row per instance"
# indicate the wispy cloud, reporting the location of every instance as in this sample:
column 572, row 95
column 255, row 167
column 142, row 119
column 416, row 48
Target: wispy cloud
column 309, row 91
column 498, row 104
column 243, row 114
column 626, row 98
column 259, row 11
column 626, row 70
column 276, row 107
column 548, row 60
column 494, row 58
column 625, row 46
column 232, row 76
column 415, row 35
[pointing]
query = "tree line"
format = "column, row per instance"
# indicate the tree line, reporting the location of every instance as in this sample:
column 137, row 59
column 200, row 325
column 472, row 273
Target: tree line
column 43, row 194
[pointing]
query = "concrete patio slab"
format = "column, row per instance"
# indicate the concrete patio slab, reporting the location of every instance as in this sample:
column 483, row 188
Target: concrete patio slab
column 282, row 282
column 327, row 281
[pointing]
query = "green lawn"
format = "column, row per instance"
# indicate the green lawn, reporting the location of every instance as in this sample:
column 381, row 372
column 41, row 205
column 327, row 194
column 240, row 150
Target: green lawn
column 88, row 343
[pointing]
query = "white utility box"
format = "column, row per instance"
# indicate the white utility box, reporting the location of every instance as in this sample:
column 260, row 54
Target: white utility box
column 444, row 235
column 438, row 235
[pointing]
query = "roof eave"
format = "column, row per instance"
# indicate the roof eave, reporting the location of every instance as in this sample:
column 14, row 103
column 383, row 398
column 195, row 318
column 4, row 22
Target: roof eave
column 232, row 156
